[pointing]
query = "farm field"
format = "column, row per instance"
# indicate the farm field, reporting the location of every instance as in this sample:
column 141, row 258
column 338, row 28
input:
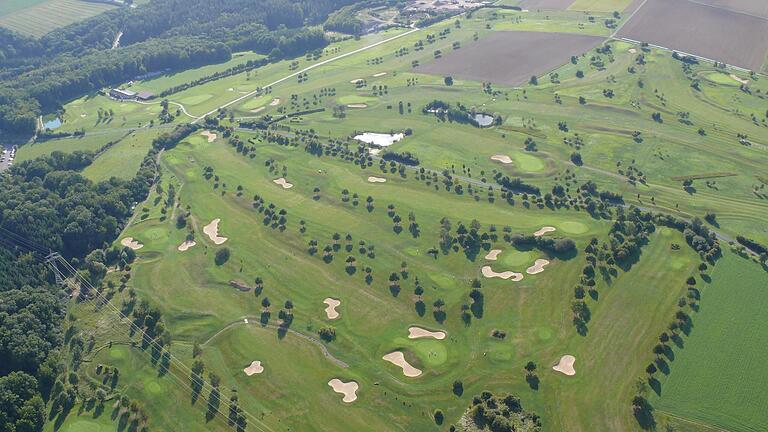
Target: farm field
column 507, row 57
column 704, row 386
column 280, row 251
column 716, row 33
column 600, row 5
column 38, row 17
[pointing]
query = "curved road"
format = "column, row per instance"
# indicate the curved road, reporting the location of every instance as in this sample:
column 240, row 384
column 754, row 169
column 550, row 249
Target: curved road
column 255, row 321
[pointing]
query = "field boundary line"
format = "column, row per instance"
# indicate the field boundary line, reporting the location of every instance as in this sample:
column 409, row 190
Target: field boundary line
column 324, row 62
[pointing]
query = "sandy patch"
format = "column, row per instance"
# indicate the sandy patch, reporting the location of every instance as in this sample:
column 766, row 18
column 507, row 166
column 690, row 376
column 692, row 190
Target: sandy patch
column 373, row 179
column 379, row 139
column 374, row 151
column 418, row 332
column 212, row 231
column 131, row 243
column 348, row 389
column 210, row 135
column 380, row 74
column 356, row 81
column 186, row 245
column 502, row 158
column 489, row 273
column 493, row 254
column 259, row 109
column 274, row 102
column 83, row 115
column 739, row 80
column 544, row 230
column 254, row 368
column 330, row 311
column 565, row 366
column 632, row 51
column 398, row 359
column 282, row 182
column 357, row 105
column 537, row 267
column 230, row 89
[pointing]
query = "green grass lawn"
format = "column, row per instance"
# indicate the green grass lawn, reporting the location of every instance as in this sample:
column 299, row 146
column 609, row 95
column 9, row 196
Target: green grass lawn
column 199, row 304
column 600, row 5
column 717, row 378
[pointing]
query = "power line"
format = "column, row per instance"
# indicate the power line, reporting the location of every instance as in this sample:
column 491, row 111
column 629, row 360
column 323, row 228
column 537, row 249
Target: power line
column 63, row 270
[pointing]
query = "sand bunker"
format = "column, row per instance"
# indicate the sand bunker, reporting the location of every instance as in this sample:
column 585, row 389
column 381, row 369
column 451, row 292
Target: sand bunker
column 212, row 231
column 373, row 179
column 398, row 359
column 131, row 243
column 739, row 80
column 380, row 74
column 210, row 135
column 356, row 81
column 632, row 50
column 348, row 389
column 489, row 273
column 331, row 309
column 537, row 267
column 418, row 332
column 379, row 139
column 254, row 368
column 357, row 105
column 282, row 182
column 565, row 366
column 493, row 254
column 502, row 158
column 186, row 245
column 274, row 102
column 259, row 109
column 544, row 230
column 230, row 89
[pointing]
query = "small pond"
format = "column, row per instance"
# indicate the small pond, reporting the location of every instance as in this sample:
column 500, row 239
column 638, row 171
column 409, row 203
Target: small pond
column 484, row 120
column 52, row 123
column 379, row 139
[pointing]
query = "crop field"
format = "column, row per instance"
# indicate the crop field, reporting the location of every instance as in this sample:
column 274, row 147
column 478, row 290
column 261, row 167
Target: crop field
column 750, row 7
column 36, row 18
column 307, row 214
column 600, row 5
column 705, row 385
column 511, row 57
column 719, row 34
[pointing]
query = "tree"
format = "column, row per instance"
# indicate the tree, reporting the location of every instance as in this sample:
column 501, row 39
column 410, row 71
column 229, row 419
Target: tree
column 448, row 81
column 439, row 417
column 222, row 256
column 533, row 80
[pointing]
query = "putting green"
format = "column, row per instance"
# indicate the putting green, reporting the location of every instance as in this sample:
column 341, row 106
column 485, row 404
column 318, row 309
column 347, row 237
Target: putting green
column 720, row 78
column 84, row 425
column 153, row 387
column 527, row 162
column 356, row 99
column 256, row 102
column 572, row 227
column 117, row 352
column 155, row 233
column 196, row 99
column 516, row 258
column 544, row 333
column 430, row 352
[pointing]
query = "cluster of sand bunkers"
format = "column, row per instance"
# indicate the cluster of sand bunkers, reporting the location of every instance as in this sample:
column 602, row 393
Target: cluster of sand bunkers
column 536, row 268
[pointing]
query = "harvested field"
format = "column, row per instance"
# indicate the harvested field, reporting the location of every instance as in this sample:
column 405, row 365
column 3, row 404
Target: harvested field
column 719, row 34
column 749, row 7
column 511, row 57
column 545, row 4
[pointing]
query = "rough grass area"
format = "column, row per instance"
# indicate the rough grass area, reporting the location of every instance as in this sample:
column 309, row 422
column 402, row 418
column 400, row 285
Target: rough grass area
column 600, row 5
column 36, row 18
column 719, row 376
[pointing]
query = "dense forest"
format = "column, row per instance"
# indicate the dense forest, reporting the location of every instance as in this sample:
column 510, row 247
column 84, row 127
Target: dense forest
column 49, row 204
column 38, row 75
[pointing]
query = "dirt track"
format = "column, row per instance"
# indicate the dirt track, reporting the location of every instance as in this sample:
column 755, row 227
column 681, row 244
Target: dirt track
column 511, row 57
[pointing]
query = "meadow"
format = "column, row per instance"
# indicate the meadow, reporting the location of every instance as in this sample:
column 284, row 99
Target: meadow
column 704, row 385
column 600, row 104
column 38, row 17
